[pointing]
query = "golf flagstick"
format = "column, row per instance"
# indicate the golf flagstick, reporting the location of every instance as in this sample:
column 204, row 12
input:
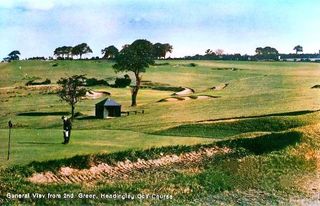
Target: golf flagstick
column 9, row 142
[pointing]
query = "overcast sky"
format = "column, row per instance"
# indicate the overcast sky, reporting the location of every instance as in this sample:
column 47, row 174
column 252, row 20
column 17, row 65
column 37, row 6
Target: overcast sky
column 37, row 27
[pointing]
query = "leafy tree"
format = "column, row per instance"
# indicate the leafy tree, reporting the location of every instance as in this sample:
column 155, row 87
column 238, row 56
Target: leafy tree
column 58, row 52
column 298, row 48
column 122, row 82
column 135, row 58
column 14, row 55
column 209, row 52
column 72, row 89
column 109, row 52
column 81, row 49
column 270, row 50
column 160, row 50
column 67, row 51
column 259, row 50
column 266, row 51
column 64, row 51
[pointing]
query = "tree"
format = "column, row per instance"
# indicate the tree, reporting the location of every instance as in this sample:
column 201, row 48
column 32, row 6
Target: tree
column 259, row 50
column 209, row 52
column 58, row 52
column 81, row 49
column 109, row 52
column 135, row 58
column 72, row 89
column 270, row 50
column 266, row 51
column 160, row 50
column 14, row 55
column 64, row 51
column 298, row 48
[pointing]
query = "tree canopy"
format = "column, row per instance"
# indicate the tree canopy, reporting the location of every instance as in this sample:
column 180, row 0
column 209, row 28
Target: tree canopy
column 81, row 49
column 64, row 51
column 135, row 58
column 109, row 52
column 298, row 48
column 266, row 51
column 14, row 55
column 160, row 50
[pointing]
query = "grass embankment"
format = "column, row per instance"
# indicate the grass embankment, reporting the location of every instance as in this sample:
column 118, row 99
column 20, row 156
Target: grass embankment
column 45, row 144
column 274, row 173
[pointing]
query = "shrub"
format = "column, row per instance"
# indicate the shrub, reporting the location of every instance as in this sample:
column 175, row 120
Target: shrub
column 192, row 64
column 122, row 82
column 32, row 82
column 94, row 82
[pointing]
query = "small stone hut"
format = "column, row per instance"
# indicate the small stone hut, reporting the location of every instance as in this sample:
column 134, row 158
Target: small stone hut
column 108, row 108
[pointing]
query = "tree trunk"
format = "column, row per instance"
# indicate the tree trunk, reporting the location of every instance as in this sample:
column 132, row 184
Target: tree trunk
column 80, row 56
column 72, row 111
column 134, row 97
column 135, row 90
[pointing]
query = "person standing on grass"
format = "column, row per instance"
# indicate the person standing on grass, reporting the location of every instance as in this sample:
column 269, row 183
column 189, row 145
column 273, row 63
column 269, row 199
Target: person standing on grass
column 67, row 126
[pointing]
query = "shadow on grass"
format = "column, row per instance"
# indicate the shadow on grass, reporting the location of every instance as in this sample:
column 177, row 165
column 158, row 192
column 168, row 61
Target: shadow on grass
column 37, row 143
column 86, row 117
column 43, row 113
column 265, row 143
column 294, row 113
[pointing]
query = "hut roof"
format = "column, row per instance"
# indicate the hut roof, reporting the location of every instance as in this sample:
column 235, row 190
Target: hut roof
column 109, row 102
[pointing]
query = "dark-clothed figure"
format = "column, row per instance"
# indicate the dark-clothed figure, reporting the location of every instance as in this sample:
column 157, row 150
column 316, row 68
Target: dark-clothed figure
column 67, row 126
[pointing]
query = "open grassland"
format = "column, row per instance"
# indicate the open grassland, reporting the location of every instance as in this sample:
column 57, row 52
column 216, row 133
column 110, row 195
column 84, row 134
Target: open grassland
column 267, row 115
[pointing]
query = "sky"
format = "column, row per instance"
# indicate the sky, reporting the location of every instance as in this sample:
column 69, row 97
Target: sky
column 37, row 27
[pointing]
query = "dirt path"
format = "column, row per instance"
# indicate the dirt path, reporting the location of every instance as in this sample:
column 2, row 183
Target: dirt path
column 121, row 169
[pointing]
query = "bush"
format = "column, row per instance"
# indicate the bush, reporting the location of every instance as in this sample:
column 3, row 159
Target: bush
column 32, row 82
column 122, row 82
column 192, row 64
column 94, row 82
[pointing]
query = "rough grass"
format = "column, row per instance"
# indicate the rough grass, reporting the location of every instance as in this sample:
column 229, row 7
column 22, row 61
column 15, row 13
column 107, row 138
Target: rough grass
column 220, row 130
column 241, row 170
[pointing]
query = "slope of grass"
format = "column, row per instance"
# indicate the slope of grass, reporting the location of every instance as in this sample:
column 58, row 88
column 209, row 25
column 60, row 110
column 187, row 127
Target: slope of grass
column 274, row 173
column 45, row 144
column 225, row 129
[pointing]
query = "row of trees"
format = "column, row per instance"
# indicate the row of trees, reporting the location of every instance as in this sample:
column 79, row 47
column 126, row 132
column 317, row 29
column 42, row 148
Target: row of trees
column 269, row 50
column 159, row 51
column 69, row 51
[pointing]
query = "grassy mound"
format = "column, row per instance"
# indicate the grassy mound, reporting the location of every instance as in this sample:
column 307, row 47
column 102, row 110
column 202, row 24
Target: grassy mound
column 255, row 163
column 225, row 129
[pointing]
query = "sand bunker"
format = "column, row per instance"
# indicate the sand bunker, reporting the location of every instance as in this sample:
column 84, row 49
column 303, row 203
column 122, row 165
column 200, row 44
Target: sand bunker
column 96, row 94
column 176, row 99
column 316, row 87
column 219, row 87
column 184, row 92
column 205, row 97
column 122, row 169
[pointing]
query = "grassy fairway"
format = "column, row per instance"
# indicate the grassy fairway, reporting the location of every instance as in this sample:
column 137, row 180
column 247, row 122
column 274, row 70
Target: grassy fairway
column 268, row 115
